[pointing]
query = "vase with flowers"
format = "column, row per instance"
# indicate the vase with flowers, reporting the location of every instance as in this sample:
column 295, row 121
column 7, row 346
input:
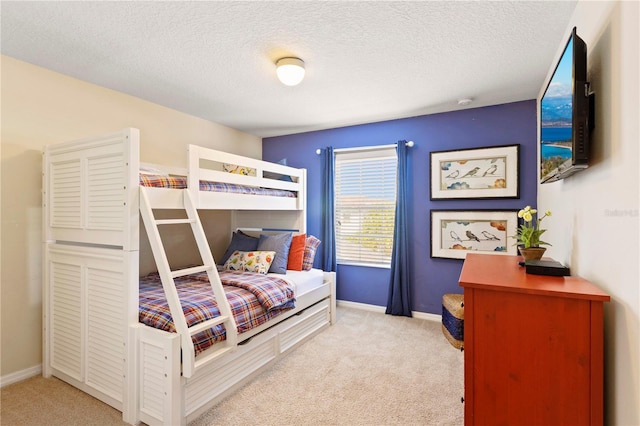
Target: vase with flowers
column 529, row 233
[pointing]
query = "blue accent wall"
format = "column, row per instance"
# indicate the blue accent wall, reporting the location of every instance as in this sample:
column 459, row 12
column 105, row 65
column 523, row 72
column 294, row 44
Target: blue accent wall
column 505, row 124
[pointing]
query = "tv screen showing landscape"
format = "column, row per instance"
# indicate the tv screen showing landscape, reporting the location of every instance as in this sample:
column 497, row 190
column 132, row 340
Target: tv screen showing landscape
column 556, row 108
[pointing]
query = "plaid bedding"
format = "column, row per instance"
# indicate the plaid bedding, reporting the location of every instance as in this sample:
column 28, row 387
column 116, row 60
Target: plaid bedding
column 160, row 181
column 180, row 182
column 198, row 304
column 272, row 292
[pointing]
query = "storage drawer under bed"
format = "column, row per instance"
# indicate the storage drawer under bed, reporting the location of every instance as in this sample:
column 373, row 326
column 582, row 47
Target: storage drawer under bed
column 215, row 381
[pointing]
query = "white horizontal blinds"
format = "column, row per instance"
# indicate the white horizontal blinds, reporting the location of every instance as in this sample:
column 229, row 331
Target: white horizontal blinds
column 365, row 200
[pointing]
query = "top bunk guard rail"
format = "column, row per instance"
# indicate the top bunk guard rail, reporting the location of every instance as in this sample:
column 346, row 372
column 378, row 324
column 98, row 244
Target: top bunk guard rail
column 268, row 175
column 189, row 362
column 90, row 188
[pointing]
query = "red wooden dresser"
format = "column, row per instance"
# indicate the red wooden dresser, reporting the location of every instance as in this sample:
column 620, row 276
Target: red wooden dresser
column 533, row 346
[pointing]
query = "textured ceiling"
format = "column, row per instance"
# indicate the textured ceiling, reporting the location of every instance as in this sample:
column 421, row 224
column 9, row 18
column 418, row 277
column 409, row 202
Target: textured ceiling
column 365, row 61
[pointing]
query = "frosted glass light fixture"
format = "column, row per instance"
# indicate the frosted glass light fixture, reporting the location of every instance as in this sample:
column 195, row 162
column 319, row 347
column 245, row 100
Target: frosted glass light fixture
column 290, row 71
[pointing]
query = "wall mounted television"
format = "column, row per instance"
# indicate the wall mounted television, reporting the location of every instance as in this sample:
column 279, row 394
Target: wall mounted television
column 566, row 115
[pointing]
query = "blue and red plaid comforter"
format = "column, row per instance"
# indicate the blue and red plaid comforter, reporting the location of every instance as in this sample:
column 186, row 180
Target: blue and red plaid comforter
column 179, row 182
column 246, row 292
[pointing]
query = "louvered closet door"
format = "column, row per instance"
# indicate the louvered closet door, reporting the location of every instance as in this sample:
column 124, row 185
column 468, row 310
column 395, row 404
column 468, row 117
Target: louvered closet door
column 88, row 316
column 105, row 343
column 66, row 318
column 90, row 191
column 106, row 183
column 65, row 203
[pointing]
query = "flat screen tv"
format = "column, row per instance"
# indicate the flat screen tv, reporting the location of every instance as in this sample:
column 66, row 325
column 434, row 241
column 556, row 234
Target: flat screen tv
column 566, row 115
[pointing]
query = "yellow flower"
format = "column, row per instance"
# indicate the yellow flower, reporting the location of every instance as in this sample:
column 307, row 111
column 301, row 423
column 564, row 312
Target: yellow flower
column 529, row 232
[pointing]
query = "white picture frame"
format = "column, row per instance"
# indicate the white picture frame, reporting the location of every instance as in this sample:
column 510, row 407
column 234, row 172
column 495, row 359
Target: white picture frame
column 454, row 233
column 476, row 173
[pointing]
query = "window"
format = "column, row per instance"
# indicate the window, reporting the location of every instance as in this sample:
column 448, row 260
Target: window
column 365, row 203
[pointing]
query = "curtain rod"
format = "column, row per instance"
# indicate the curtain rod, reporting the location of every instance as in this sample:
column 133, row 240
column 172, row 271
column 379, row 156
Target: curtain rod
column 366, row 148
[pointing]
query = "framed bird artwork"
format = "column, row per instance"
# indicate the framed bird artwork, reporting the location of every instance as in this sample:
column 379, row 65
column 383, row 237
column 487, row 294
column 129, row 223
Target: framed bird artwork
column 490, row 172
column 454, row 233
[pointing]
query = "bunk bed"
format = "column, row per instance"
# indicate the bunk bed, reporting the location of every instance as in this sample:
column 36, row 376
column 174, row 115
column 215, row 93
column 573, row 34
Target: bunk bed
column 95, row 191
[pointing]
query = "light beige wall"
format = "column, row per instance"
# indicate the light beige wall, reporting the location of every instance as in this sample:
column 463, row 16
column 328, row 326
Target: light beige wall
column 595, row 223
column 40, row 107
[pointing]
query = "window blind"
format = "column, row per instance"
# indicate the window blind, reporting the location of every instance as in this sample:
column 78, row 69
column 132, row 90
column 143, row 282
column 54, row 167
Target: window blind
column 365, row 201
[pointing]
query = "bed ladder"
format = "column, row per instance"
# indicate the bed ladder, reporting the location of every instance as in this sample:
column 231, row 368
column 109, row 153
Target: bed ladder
column 189, row 361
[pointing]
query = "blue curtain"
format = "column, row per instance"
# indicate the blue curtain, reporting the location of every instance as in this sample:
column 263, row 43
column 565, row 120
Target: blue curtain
column 328, row 222
column 399, row 300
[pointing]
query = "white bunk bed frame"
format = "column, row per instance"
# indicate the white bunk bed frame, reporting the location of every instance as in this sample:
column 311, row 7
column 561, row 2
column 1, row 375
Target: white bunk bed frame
column 92, row 204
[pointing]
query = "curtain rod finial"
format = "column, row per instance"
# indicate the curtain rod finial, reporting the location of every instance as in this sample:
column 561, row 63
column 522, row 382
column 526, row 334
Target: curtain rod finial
column 318, row 151
column 410, row 144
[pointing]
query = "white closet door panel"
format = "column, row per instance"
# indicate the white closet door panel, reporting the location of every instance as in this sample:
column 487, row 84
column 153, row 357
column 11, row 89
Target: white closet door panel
column 105, row 331
column 66, row 195
column 106, row 191
column 90, row 190
column 88, row 319
column 66, row 318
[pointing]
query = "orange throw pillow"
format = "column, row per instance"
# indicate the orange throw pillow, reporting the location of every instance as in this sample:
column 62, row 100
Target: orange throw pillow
column 296, row 252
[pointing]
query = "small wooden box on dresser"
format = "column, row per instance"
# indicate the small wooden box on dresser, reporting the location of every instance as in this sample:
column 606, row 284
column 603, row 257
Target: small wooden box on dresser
column 533, row 346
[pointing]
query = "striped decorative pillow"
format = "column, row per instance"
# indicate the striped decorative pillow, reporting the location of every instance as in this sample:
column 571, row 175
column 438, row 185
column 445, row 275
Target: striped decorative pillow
column 310, row 248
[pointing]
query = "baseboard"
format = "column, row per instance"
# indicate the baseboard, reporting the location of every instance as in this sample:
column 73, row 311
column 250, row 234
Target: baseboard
column 361, row 306
column 382, row 309
column 19, row 376
column 426, row 316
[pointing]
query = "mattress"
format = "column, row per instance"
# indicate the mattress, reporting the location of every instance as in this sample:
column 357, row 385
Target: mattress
column 304, row 281
column 180, row 182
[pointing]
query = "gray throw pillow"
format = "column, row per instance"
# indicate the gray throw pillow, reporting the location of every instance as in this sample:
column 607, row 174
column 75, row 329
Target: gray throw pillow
column 280, row 243
column 241, row 242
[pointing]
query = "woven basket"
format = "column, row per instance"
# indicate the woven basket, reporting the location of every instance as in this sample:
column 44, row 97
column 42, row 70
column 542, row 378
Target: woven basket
column 453, row 319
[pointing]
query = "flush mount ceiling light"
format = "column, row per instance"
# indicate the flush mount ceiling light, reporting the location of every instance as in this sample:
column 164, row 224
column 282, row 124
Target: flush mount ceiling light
column 465, row 101
column 290, row 70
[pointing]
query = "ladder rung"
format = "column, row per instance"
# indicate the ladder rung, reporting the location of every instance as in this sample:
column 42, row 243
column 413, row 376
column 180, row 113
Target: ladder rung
column 189, row 271
column 195, row 329
column 201, row 361
column 174, row 221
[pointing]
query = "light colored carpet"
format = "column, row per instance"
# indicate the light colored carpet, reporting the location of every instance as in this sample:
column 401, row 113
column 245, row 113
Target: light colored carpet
column 368, row 369
column 51, row 402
